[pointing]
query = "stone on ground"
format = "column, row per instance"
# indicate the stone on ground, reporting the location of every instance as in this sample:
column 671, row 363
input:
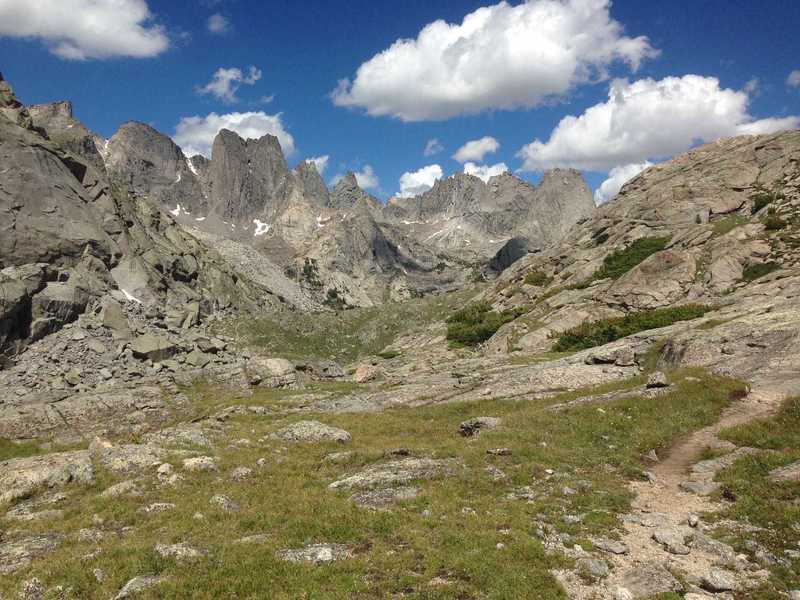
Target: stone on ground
column 311, row 431
column 317, row 554
column 475, row 425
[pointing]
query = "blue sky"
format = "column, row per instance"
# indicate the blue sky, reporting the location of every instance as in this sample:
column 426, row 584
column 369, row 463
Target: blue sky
column 302, row 50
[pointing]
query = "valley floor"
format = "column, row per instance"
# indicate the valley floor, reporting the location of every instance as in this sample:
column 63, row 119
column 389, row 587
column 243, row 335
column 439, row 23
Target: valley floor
column 387, row 489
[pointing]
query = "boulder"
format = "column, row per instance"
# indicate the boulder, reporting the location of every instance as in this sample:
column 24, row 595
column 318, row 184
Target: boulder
column 657, row 380
column 788, row 473
column 649, row 580
column 62, row 302
column 271, row 372
column 153, row 347
column 396, row 473
column 474, row 426
column 311, row 431
column 114, row 319
column 20, row 477
column 316, row 554
column 366, row 373
column 136, row 585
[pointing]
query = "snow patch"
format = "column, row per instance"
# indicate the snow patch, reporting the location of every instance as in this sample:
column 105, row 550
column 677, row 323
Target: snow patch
column 129, row 297
column 176, row 212
column 178, row 178
column 191, row 166
column 441, row 231
column 200, row 219
column 261, row 227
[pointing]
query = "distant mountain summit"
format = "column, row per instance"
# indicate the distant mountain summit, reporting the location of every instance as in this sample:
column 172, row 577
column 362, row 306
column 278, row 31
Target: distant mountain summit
column 339, row 242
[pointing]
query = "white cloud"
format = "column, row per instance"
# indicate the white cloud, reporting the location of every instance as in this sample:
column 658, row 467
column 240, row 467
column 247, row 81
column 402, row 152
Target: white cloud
column 476, row 149
column 320, row 162
column 499, row 57
column 267, row 99
column 218, row 24
column 752, row 87
column 618, row 177
column 414, row 183
column 434, row 146
column 485, row 172
column 83, row 29
column 648, row 119
column 226, row 82
column 366, row 178
column 195, row 135
column 793, row 80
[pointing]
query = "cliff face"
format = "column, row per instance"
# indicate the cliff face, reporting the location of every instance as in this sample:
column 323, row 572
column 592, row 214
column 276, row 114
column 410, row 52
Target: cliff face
column 153, row 167
column 68, row 238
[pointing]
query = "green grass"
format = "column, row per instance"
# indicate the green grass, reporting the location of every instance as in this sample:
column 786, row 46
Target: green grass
column 347, row 335
column 757, row 270
column 397, row 552
column 762, row 502
column 728, row 224
column 476, row 323
column 537, row 278
column 598, row 333
column 9, row 449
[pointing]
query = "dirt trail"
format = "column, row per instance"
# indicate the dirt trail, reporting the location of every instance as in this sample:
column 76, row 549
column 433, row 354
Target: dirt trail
column 672, row 470
column 661, row 504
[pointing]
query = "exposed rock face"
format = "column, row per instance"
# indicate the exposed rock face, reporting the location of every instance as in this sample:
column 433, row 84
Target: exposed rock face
column 67, row 238
column 313, row 184
column 702, row 204
column 364, row 251
column 464, row 213
column 153, row 167
column 250, row 177
column 57, row 121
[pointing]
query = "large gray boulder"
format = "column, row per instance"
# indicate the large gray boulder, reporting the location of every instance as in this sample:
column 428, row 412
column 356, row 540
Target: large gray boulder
column 153, row 347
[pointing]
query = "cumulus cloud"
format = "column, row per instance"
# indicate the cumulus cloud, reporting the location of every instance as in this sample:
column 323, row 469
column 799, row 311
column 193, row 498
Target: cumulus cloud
column 476, row 149
column 618, row 177
column 485, row 172
column 195, row 135
column 218, row 24
column 793, row 80
column 499, row 57
column 434, row 146
column 84, row 29
column 648, row 119
column 366, row 178
column 320, row 162
column 226, row 82
column 414, row 183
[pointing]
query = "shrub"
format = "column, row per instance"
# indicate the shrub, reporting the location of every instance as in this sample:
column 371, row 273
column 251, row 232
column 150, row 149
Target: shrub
column 772, row 222
column 757, row 270
column 598, row 333
column 476, row 323
column 760, row 200
column 620, row 262
column 389, row 354
column 537, row 278
column 764, row 198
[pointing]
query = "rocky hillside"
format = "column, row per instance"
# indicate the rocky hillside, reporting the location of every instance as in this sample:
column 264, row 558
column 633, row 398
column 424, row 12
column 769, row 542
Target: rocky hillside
column 68, row 238
column 717, row 226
